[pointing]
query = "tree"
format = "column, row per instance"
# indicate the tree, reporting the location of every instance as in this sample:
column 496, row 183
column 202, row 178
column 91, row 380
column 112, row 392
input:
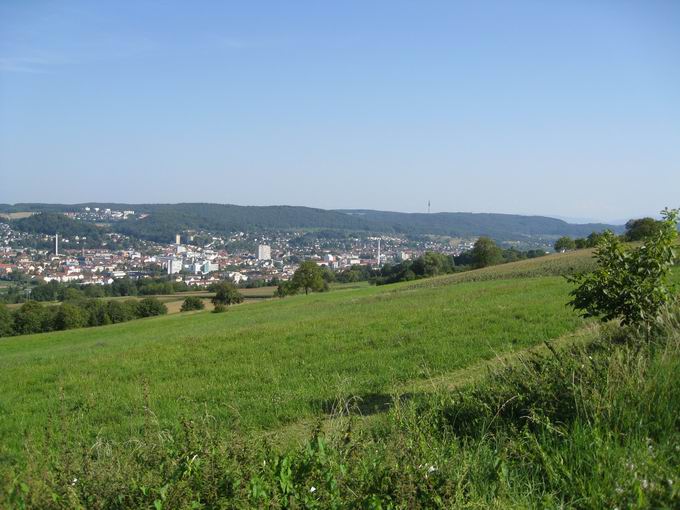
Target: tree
column 226, row 294
column 70, row 316
column 485, row 252
column 309, row 277
column 642, row 228
column 565, row 243
column 122, row 311
column 6, row 321
column 151, row 306
column 192, row 303
column 629, row 284
column 285, row 289
column 29, row 318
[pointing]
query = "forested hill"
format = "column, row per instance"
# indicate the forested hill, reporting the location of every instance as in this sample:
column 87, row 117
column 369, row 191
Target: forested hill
column 462, row 224
column 163, row 221
column 50, row 223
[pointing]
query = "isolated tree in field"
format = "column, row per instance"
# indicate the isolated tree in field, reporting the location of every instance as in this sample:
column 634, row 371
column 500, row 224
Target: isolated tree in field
column 308, row 276
column 192, row 303
column 629, row 284
column 564, row 243
column 486, row 253
column 226, row 294
column 642, row 228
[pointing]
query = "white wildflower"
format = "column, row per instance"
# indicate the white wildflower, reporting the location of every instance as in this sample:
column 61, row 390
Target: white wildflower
column 74, row 481
column 645, row 484
column 312, row 489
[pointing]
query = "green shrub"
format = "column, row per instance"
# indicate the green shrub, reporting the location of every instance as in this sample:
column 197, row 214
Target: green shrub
column 226, row 294
column 629, row 284
column 151, row 306
column 6, row 321
column 219, row 308
column 192, row 303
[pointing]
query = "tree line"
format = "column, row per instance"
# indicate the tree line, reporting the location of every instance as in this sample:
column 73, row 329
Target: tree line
column 121, row 287
column 636, row 230
column 35, row 317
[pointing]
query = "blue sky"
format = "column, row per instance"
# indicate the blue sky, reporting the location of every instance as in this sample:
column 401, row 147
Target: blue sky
column 532, row 107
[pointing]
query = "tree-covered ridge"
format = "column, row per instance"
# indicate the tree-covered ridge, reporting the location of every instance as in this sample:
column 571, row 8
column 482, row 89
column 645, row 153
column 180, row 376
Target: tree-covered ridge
column 501, row 227
column 162, row 221
column 51, row 223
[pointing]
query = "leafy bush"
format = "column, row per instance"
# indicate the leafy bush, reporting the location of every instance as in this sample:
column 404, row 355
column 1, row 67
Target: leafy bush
column 219, row 308
column 226, row 294
column 629, row 283
column 151, row 306
column 192, row 303
column 6, row 321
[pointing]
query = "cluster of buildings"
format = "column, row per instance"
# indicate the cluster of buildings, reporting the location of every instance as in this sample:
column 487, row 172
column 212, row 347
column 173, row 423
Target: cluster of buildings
column 241, row 257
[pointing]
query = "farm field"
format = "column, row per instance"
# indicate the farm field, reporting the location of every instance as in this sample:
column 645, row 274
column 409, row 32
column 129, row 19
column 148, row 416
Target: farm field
column 268, row 364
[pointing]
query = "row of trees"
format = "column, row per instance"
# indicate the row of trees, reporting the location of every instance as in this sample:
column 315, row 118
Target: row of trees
column 636, row 230
column 35, row 317
column 56, row 291
column 312, row 278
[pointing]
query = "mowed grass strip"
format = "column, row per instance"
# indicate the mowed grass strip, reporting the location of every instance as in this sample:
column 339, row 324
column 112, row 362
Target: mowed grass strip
column 267, row 364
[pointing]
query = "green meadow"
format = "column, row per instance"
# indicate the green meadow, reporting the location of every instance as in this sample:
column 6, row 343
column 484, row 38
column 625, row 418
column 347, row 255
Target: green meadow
column 267, row 364
column 479, row 389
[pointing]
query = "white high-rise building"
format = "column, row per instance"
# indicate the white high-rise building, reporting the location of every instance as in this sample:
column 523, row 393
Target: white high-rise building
column 174, row 266
column 264, row 252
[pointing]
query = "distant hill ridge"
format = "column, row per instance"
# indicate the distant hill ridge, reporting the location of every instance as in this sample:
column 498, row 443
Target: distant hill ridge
column 164, row 220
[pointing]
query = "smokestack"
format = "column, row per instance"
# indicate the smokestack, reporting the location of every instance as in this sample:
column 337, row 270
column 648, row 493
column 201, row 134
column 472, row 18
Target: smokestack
column 177, row 239
column 378, row 252
column 56, row 245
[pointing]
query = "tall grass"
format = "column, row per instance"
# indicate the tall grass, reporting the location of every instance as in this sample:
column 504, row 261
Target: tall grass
column 592, row 425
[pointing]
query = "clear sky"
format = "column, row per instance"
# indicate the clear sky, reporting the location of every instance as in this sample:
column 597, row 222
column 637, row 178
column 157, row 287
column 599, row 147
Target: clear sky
column 534, row 107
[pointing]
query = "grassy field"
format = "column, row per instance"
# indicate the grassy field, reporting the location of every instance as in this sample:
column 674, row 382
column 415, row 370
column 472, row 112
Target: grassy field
column 187, row 410
column 268, row 364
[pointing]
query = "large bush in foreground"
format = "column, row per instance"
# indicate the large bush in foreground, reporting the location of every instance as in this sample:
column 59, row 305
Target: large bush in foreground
column 629, row 284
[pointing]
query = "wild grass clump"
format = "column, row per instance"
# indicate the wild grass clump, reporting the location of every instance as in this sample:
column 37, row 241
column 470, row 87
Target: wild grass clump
column 595, row 425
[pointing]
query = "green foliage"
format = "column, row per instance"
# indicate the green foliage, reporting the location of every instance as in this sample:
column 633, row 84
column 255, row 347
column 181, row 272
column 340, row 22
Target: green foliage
column 564, row 243
column 308, row 276
column 643, row 228
column 629, row 284
column 284, row 289
column 150, row 307
column 485, row 253
column 6, row 321
column 355, row 273
column 50, row 223
column 123, row 311
column 29, row 318
column 226, row 293
column 70, row 316
column 219, row 308
column 192, row 303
